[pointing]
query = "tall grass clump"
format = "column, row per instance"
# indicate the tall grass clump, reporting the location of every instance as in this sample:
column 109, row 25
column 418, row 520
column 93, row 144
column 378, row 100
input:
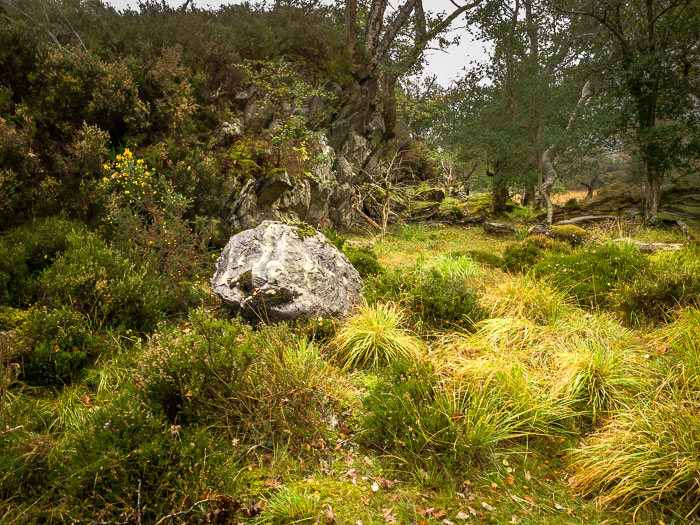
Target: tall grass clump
column 671, row 283
column 597, row 374
column 291, row 505
column 375, row 335
column 526, row 297
column 591, row 274
column 647, row 457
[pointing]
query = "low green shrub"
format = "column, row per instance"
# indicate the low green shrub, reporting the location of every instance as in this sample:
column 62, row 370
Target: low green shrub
column 591, row 275
column 482, row 257
column 59, row 344
column 267, row 382
column 523, row 255
column 364, row 260
column 435, row 300
column 335, row 238
column 128, row 460
column 184, row 372
column 574, row 235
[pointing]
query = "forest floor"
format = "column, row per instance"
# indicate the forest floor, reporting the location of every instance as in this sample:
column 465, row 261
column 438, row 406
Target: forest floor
column 340, row 474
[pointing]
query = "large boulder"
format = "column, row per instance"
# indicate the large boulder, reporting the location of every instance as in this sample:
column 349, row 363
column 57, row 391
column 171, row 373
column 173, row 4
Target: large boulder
column 280, row 272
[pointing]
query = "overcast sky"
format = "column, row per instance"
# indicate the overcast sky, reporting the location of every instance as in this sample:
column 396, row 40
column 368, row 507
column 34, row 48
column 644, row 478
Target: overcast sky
column 447, row 65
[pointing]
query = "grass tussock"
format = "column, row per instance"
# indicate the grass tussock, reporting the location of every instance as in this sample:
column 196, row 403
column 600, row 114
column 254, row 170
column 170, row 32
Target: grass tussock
column 376, row 335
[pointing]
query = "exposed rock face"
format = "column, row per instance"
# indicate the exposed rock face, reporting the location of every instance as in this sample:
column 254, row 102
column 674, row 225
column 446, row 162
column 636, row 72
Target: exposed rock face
column 278, row 272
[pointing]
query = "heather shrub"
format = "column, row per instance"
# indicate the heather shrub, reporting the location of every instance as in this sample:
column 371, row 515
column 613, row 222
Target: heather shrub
column 28, row 250
column 103, row 283
column 188, row 372
column 266, row 382
column 591, row 275
column 58, row 345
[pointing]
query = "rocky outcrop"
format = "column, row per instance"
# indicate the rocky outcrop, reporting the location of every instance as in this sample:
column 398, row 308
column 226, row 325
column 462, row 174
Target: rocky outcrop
column 328, row 195
column 279, row 272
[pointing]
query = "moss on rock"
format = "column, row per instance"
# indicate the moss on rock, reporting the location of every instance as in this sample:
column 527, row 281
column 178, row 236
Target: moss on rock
column 569, row 233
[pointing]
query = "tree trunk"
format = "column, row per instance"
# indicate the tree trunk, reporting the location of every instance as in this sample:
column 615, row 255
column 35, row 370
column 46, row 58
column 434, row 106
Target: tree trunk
column 652, row 196
column 500, row 196
column 389, row 104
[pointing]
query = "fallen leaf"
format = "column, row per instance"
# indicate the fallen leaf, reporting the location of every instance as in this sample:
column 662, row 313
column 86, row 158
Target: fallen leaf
column 494, row 485
column 375, row 487
column 510, row 480
column 389, row 516
column 486, row 505
column 514, row 520
column 558, row 507
column 462, row 516
column 364, row 500
column 439, row 514
column 569, row 511
column 330, row 515
column 447, row 522
column 352, row 474
column 471, row 510
column 528, row 476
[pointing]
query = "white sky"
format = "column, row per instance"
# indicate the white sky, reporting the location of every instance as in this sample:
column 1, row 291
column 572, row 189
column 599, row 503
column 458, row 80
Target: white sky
column 446, row 65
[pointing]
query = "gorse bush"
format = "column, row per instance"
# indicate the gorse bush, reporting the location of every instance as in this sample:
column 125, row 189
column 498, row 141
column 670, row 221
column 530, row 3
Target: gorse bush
column 148, row 215
column 375, row 335
column 592, row 275
column 435, row 300
column 521, row 256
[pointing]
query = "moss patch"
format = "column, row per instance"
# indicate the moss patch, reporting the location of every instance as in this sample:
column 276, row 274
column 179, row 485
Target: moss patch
column 569, row 233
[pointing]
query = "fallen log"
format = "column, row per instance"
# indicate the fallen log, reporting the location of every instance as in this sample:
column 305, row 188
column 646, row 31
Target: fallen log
column 498, row 228
column 586, row 218
column 651, row 247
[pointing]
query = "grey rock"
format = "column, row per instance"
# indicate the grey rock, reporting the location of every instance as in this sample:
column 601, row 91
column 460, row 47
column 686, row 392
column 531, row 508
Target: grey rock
column 229, row 131
column 272, row 188
column 245, row 96
column 279, row 272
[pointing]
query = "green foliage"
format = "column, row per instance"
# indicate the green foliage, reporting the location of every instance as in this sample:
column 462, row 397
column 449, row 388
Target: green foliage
column 521, row 256
column 336, row 239
column 574, row 235
column 374, row 336
column 592, row 275
column 183, row 372
column 364, row 260
column 60, row 343
column 220, row 370
column 435, row 299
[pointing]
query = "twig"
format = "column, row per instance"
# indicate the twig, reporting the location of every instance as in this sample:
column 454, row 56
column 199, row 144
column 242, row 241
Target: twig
column 138, row 504
column 183, row 512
